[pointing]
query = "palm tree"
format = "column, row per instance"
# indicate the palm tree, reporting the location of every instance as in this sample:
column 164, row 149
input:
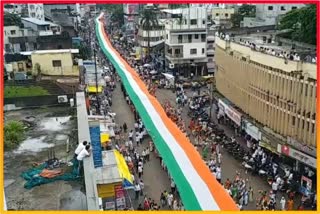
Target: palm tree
column 149, row 22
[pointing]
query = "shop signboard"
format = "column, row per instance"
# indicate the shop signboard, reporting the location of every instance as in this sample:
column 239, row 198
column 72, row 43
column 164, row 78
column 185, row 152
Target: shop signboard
column 302, row 147
column 295, row 154
column 110, row 205
column 120, row 197
column 96, row 144
column 234, row 115
column 253, row 131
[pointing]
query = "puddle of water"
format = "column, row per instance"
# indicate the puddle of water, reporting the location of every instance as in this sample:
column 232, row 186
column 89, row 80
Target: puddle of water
column 33, row 145
column 54, row 123
column 61, row 137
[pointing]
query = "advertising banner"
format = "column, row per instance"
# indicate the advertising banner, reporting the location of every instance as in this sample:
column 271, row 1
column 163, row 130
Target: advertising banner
column 253, row 131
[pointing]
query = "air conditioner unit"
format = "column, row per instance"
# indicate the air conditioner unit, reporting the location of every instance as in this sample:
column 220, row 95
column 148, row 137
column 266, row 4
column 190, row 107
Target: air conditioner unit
column 62, row 99
column 171, row 66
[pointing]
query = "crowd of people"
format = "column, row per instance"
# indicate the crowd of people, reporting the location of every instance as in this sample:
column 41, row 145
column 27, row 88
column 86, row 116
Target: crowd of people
column 289, row 55
column 239, row 188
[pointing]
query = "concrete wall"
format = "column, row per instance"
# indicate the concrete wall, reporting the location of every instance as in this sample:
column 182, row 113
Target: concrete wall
column 46, row 64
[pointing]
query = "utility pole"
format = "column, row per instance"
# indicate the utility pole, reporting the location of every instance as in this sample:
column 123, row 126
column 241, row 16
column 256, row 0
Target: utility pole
column 96, row 73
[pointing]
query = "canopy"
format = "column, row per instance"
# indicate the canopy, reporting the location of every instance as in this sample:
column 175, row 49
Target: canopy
column 153, row 72
column 104, row 137
column 93, row 89
column 168, row 76
column 198, row 188
column 123, row 170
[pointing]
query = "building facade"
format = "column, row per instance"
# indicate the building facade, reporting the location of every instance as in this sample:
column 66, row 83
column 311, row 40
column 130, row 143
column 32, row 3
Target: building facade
column 56, row 62
column 36, row 11
column 222, row 17
column 268, row 14
column 278, row 93
column 186, row 41
column 18, row 39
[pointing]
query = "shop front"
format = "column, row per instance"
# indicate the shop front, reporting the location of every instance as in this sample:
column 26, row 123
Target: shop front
column 305, row 167
column 230, row 114
column 268, row 144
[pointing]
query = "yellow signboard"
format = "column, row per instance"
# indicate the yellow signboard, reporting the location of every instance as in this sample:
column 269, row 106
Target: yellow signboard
column 93, row 89
column 104, row 137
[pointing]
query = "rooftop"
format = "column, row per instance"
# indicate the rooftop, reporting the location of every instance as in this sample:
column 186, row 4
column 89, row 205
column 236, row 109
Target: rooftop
column 28, row 53
column 37, row 21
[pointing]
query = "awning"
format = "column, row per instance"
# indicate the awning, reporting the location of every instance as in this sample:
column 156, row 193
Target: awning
column 93, row 89
column 104, row 137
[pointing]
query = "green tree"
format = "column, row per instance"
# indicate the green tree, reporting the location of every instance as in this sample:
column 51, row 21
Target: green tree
column 116, row 10
column 302, row 23
column 84, row 51
column 12, row 20
column 243, row 11
column 148, row 22
column 13, row 134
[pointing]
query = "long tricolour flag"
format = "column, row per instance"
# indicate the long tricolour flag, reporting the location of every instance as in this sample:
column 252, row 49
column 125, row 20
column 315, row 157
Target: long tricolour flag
column 198, row 188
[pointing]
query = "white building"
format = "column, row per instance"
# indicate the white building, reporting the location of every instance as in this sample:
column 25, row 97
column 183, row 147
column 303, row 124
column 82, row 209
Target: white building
column 268, row 14
column 18, row 39
column 186, row 40
column 156, row 35
column 26, row 10
column 36, row 11
column 72, row 8
column 13, row 8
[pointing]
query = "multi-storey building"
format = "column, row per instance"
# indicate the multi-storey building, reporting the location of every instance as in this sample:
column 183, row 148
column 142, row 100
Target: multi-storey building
column 18, row 39
column 186, row 40
column 222, row 16
column 278, row 93
column 268, row 14
column 26, row 10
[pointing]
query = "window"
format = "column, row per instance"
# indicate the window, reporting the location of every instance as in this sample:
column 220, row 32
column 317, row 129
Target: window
column 193, row 21
column 283, row 8
column 196, row 36
column 177, row 51
column 167, row 36
column 202, row 50
column 56, row 63
column 217, row 14
column 179, row 38
column 13, row 32
column 203, row 37
column 193, row 51
column 189, row 38
column 33, row 15
column 204, row 22
column 226, row 15
column 270, row 7
column 293, row 8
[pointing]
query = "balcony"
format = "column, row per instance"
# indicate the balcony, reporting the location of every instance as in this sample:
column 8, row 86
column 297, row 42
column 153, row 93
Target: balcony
column 174, row 56
column 210, row 52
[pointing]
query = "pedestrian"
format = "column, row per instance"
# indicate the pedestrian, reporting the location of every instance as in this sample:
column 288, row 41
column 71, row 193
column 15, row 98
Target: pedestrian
column 137, row 190
column 147, row 154
column 246, row 197
column 146, row 204
column 141, row 187
column 163, row 199
column 250, row 194
column 173, row 186
column 79, row 148
column 140, row 171
column 175, row 204
column 290, row 204
column 84, row 153
column 170, row 200
column 219, row 155
column 125, row 127
column 218, row 176
column 283, row 203
column 131, row 135
column 144, row 155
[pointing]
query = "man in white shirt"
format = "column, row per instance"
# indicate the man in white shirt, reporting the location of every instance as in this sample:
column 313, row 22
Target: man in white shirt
column 140, row 171
column 84, row 153
column 80, row 147
column 274, row 187
column 147, row 154
column 131, row 135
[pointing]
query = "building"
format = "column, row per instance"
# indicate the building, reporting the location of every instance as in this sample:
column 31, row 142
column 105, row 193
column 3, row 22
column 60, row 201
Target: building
column 43, row 28
column 186, row 40
column 18, row 39
column 156, row 35
column 222, row 17
column 279, row 95
column 210, row 52
column 55, row 62
column 13, row 8
column 268, row 14
column 131, row 18
column 26, row 10
column 35, row 11
column 66, row 15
